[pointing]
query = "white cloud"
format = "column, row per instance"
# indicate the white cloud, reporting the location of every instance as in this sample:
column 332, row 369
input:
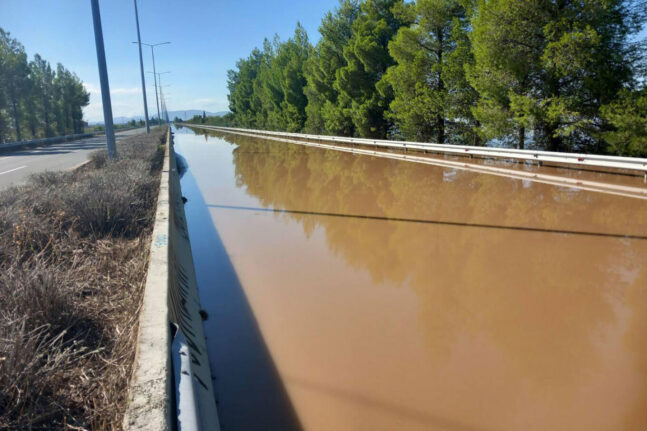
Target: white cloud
column 91, row 88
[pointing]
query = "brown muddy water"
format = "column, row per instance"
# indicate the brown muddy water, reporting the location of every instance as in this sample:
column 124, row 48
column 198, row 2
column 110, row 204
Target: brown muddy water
column 347, row 292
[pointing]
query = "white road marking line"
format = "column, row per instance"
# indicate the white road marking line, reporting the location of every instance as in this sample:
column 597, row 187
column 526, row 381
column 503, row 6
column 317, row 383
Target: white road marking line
column 11, row 170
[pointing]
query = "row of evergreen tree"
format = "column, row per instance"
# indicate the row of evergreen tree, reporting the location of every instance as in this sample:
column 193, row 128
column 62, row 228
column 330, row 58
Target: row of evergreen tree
column 36, row 100
column 560, row 75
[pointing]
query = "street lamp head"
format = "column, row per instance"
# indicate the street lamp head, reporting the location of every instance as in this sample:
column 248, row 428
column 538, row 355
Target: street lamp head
column 153, row 44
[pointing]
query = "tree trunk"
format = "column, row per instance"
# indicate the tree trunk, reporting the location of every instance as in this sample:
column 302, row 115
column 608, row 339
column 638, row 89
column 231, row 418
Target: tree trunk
column 554, row 142
column 477, row 137
column 33, row 126
column 68, row 120
column 16, row 118
column 48, row 132
column 440, row 120
column 440, row 126
column 522, row 138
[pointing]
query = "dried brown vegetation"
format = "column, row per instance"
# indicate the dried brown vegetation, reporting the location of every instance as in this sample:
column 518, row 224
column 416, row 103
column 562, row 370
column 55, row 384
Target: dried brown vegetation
column 73, row 255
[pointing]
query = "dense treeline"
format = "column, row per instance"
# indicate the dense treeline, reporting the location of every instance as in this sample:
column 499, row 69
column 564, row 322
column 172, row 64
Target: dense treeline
column 36, row 100
column 551, row 74
column 216, row 120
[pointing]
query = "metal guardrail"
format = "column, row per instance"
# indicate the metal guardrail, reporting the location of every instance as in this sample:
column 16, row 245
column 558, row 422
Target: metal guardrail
column 540, row 157
column 45, row 141
column 57, row 139
column 595, row 186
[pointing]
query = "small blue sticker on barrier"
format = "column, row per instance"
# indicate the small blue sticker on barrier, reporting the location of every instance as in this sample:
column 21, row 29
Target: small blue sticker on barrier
column 161, row 240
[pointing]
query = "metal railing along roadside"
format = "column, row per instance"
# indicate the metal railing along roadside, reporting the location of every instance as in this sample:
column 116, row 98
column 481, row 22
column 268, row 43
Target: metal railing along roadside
column 539, row 157
column 532, row 176
column 57, row 139
column 46, row 141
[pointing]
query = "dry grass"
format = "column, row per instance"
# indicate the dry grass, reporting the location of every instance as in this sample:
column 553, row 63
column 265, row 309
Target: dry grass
column 73, row 254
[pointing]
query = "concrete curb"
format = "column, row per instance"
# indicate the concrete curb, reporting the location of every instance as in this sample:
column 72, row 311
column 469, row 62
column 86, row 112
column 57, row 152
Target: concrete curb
column 149, row 405
column 79, row 165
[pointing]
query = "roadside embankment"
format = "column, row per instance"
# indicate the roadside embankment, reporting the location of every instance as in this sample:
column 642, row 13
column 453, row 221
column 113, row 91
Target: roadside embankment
column 73, row 254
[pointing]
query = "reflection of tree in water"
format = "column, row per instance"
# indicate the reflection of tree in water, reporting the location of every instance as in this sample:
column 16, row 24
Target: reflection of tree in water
column 548, row 300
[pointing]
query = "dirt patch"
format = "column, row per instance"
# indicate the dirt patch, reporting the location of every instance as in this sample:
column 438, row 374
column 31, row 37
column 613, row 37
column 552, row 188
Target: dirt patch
column 73, row 256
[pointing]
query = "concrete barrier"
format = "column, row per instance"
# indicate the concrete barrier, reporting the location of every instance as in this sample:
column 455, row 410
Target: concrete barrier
column 170, row 308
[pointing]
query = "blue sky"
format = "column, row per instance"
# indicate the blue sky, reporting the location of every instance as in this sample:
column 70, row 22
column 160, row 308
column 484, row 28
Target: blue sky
column 208, row 37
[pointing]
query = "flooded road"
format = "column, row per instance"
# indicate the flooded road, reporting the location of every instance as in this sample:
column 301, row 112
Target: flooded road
column 347, row 292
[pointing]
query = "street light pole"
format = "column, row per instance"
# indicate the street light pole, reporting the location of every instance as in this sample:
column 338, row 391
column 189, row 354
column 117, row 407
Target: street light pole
column 103, row 77
column 159, row 120
column 159, row 79
column 156, row 97
column 164, row 111
column 141, row 69
column 153, row 45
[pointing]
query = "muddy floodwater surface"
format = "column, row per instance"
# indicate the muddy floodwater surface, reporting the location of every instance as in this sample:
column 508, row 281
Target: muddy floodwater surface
column 346, row 292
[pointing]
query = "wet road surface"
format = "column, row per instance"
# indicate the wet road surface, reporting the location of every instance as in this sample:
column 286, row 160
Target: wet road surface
column 349, row 292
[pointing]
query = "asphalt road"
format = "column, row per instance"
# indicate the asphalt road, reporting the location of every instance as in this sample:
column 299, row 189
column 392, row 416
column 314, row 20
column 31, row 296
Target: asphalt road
column 17, row 166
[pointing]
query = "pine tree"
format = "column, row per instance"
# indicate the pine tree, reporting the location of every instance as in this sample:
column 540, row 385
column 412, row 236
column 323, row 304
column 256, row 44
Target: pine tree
column 367, row 60
column 324, row 114
column 546, row 67
column 241, row 87
column 627, row 117
column 432, row 98
column 14, row 70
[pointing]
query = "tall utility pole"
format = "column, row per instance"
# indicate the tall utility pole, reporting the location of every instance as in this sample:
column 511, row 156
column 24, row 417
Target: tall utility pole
column 103, row 77
column 141, row 69
column 156, row 96
column 159, row 120
column 159, row 85
column 153, row 45
column 164, row 111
